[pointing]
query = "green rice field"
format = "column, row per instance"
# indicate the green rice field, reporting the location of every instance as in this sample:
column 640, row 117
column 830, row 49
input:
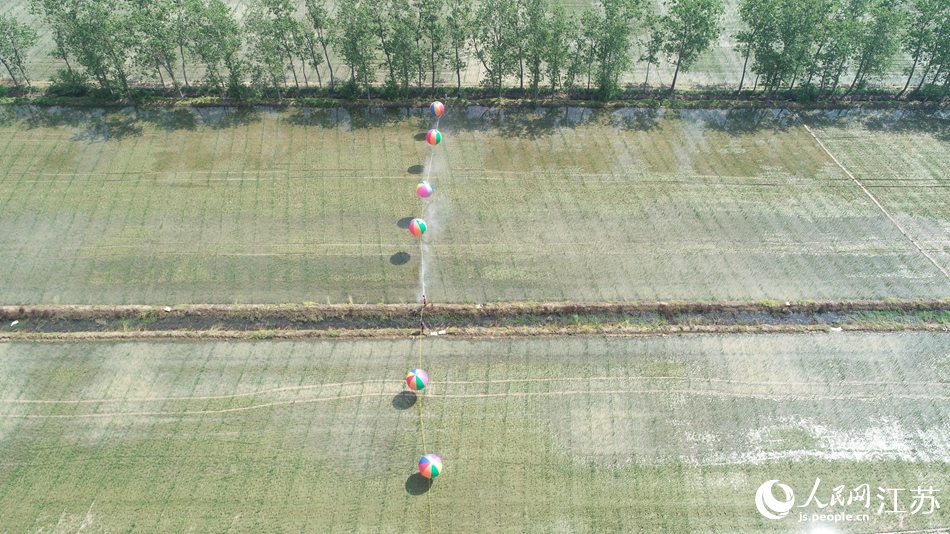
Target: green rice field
column 903, row 159
column 220, row 205
column 668, row 434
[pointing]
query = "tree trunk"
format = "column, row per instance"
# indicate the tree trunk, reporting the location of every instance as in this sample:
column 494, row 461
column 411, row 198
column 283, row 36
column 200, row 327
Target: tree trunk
column 458, row 70
column 382, row 40
column 16, row 84
column 676, row 72
column 171, row 74
column 520, row 70
column 184, row 73
column 537, row 80
column 389, row 62
column 857, row 76
column 926, row 72
column 329, row 66
column 432, row 61
column 293, row 69
column 854, row 82
column 65, row 56
column 838, row 73
column 313, row 56
column 19, row 62
column 811, row 73
column 303, row 69
column 158, row 69
column 911, row 75
column 748, row 53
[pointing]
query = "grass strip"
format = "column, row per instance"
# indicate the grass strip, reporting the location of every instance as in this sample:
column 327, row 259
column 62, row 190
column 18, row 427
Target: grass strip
column 499, row 320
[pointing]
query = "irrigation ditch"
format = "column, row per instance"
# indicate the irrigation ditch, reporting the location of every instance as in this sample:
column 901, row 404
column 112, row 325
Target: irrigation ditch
column 490, row 320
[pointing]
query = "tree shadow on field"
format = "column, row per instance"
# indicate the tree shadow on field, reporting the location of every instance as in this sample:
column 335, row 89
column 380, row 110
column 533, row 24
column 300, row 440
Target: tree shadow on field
column 536, row 122
column 934, row 123
column 416, row 169
column 400, row 258
column 224, row 117
column 909, row 121
column 352, row 117
column 325, row 118
column 170, row 119
column 404, row 222
column 110, row 125
column 49, row 117
column 637, row 119
column 405, row 400
column 738, row 122
column 418, row 484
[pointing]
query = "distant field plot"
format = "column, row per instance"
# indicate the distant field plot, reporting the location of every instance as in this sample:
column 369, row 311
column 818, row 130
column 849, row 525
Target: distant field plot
column 903, row 158
column 556, row 435
column 219, row 205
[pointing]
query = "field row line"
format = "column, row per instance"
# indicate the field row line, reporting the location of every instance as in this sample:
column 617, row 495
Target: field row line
column 873, row 199
column 707, row 245
column 376, row 174
column 721, row 394
column 473, row 382
column 507, row 248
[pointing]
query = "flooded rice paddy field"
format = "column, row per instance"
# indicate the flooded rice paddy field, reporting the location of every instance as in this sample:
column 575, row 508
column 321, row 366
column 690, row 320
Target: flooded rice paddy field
column 223, row 205
column 669, row 434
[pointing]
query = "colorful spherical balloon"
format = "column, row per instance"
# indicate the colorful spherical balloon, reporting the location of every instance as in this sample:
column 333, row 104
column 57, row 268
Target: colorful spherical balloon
column 417, row 379
column 430, row 466
column 437, row 109
column 433, row 137
column 417, row 227
column 424, row 189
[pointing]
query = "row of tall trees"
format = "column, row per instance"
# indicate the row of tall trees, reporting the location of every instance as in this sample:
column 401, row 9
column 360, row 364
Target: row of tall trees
column 816, row 43
column 110, row 41
column 536, row 43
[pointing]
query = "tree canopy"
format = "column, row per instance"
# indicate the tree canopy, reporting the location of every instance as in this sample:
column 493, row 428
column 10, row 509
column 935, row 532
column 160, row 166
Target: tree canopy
column 281, row 45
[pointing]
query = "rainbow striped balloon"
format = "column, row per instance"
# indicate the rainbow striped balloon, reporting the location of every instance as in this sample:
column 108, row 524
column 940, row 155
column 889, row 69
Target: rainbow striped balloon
column 417, row 379
column 417, row 227
column 433, row 137
column 437, row 109
column 430, row 466
column 424, row 189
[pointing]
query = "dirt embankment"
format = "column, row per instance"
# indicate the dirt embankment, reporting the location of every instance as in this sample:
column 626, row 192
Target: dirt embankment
column 38, row 323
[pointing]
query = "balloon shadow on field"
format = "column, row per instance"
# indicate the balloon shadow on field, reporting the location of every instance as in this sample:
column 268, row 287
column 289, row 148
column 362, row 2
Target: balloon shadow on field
column 420, row 136
column 404, row 222
column 400, row 258
column 416, row 169
column 418, row 484
column 404, row 400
